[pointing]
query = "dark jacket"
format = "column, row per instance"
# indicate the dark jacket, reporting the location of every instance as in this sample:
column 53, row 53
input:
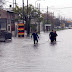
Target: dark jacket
column 35, row 36
column 51, row 35
column 55, row 34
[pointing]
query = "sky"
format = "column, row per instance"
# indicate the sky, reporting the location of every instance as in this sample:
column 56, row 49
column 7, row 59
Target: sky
column 61, row 8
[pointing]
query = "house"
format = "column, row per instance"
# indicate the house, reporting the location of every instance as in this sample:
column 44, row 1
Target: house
column 7, row 20
column 3, row 19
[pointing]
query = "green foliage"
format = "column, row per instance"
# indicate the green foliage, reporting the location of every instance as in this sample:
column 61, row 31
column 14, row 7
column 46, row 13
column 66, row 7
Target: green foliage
column 34, row 13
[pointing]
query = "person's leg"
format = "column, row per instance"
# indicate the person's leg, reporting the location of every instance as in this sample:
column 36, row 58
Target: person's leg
column 37, row 40
column 34, row 41
column 55, row 39
column 52, row 39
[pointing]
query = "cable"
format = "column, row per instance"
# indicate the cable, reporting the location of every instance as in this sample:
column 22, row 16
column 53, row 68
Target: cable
column 40, row 8
column 57, row 8
column 7, row 1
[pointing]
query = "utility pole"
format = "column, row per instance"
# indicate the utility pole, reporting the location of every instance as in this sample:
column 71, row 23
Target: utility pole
column 28, row 25
column 37, row 5
column 47, row 14
column 53, row 20
column 27, row 8
column 23, row 11
column 15, row 3
column 39, row 17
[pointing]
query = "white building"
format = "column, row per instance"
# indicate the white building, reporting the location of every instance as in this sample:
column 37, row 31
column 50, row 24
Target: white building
column 47, row 27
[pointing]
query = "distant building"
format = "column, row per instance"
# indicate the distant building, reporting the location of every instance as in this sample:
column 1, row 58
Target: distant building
column 47, row 27
column 63, row 25
column 34, row 25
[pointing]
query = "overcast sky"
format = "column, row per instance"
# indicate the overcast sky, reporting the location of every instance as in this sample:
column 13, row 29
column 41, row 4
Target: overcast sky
column 59, row 7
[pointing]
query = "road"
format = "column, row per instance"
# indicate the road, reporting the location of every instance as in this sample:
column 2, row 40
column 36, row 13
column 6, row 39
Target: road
column 20, row 55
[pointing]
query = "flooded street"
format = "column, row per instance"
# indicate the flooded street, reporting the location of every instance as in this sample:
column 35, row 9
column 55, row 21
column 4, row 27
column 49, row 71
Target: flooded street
column 20, row 55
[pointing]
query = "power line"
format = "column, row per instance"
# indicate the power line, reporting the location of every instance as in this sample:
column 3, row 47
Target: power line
column 58, row 8
column 42, row 8
column 64, row 8
column 7, row 1
column 6, row 5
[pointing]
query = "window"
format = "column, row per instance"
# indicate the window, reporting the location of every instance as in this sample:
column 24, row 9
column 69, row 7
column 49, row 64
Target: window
column 8, row 28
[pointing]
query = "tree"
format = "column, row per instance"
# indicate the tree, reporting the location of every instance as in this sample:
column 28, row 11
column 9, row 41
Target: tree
column 32, row 13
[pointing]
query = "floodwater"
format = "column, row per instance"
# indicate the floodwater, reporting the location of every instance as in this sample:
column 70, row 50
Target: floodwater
column 20, row 55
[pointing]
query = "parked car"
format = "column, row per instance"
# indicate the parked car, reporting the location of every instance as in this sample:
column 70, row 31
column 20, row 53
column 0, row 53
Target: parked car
column 4, row 35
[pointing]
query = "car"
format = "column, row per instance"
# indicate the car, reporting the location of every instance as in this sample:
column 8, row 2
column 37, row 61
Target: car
column 4, row 35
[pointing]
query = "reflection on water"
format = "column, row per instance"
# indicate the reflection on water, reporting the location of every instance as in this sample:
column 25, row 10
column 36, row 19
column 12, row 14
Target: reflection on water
column 53, row 43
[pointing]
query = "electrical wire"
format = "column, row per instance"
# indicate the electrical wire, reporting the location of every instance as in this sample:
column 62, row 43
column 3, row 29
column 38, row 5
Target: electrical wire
column 8, row 1
column 57, row 8
column 42, row 8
